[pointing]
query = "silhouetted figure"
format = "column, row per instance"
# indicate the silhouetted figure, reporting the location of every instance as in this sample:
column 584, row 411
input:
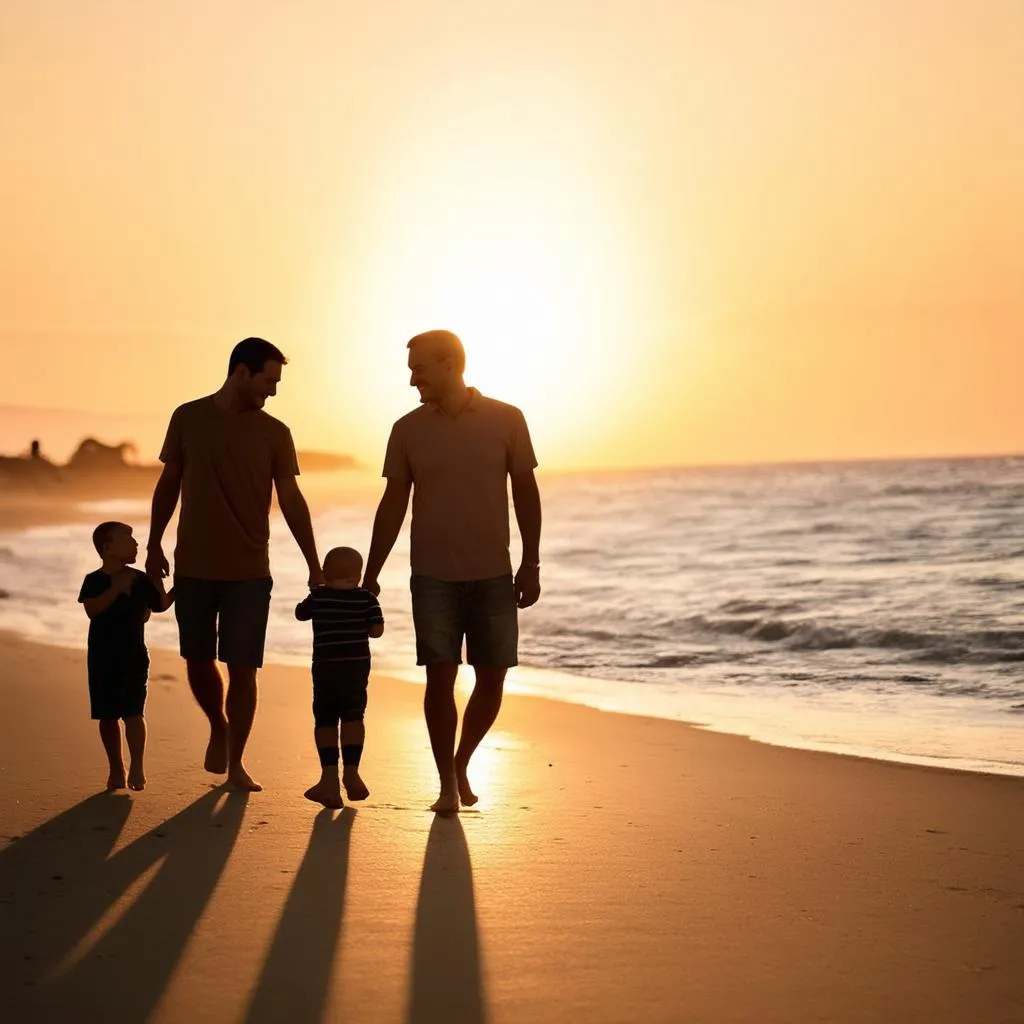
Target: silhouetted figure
column 225, row 456
column 34, row 450
column 455, row 455
column 118, row 601
column 344, row 617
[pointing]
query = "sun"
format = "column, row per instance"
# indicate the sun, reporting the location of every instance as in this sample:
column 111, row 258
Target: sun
column 535, row 299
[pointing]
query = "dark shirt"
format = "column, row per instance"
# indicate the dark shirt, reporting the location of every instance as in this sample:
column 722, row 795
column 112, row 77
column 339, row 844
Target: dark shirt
column 341, row 622
column 118, row 634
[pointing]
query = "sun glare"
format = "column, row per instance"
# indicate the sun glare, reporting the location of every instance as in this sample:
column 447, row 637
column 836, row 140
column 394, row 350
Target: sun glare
column 513, row 244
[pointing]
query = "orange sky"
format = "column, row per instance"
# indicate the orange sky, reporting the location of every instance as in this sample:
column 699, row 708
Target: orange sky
column 671, row 231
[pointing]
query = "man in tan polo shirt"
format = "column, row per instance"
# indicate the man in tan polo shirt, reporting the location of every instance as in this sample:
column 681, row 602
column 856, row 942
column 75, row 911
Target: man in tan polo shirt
column 224, row 456
column 456, row 454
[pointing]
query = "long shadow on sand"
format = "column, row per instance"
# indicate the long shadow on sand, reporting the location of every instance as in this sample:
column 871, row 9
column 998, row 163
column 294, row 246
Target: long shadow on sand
column 296, row 977
column 87, row 935
column 446, row 983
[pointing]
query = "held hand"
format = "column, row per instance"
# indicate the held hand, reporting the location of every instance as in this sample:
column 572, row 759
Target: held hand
column 157, row 566
column 371, row 585
column 316, row 578
column 527, row 585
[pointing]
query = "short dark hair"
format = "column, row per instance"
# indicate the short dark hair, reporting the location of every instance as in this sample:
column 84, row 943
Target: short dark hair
column 445, row 342
column 254, row 354
column 103, row 534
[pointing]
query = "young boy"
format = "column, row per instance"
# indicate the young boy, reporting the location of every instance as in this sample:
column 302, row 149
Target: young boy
column 344, row 617
column 118, row 601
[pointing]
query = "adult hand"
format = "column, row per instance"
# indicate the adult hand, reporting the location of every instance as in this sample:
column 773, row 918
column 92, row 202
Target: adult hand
column 157, row 566
column 371, row 585
column 316, row 578
column 527, row 584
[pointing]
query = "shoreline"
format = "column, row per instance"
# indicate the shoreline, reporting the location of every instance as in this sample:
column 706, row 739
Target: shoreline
column 809, row 725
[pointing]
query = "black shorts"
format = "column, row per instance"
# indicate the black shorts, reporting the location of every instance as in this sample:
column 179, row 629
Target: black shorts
column 117, row 691
column 482, row 611
column 225, row 619
column 339, row 692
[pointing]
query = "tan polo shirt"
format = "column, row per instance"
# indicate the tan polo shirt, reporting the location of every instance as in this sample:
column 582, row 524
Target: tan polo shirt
column 229, row 462
column 458, row 467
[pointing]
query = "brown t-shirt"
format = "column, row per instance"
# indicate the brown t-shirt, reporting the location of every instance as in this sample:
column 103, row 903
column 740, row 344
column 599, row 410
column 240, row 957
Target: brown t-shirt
column 459, row 466
column 229, row 463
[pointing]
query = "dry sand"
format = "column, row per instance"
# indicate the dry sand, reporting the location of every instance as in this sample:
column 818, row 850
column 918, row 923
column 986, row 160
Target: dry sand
column 618, row 869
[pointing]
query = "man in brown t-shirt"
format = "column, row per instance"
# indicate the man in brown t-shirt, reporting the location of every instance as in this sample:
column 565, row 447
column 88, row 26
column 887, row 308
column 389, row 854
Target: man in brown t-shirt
column 224, row 456
column 456, row 455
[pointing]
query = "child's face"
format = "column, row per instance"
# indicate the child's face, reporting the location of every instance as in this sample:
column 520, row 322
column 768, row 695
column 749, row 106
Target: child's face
column 122, row 546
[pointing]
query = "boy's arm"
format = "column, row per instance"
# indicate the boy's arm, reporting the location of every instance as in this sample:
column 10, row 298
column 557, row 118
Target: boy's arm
column 98, row 604
column 374, row 618
column 304, row 609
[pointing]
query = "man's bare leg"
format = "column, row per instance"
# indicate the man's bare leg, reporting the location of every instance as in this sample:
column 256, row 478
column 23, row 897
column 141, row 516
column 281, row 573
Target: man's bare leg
column 241, row 708
column 110, row 733
column 481, row 711
column 442, row 720
column 353, row 734
column 208, row 689
column 328, row 790
column 135, row 734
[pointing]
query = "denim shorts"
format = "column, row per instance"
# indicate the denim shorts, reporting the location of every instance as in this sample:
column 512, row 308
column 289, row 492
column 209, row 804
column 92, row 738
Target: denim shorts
column 483, row 612
column 225, row 619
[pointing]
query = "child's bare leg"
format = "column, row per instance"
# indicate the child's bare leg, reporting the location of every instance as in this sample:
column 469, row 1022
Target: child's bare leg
column 110, row 733
column 328, row 790
column 352, row 736
column 135, row 734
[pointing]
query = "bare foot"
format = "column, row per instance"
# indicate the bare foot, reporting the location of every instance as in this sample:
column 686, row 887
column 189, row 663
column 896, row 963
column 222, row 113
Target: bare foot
column 354, row 785
column 325, row 793
column 448, row 800
column 216, row 760
column 115, row 780
column 136, row 778
column 241, row 780
column 466, row 795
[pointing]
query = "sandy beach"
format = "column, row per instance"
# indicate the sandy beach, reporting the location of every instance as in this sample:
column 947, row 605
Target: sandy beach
column 617, row 869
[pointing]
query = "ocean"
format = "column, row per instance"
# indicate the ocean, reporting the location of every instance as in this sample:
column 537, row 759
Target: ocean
column 867, row 608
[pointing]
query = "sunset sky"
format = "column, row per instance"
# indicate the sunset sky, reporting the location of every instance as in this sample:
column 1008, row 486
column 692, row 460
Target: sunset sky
column 672, row 231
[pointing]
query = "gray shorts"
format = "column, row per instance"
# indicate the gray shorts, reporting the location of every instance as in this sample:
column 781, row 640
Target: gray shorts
column 481, row 611
column 225, row 619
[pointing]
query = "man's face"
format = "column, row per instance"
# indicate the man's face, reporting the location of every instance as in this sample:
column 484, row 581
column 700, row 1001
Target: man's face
column 122, row 545
column 258, row 387
column 430, row 375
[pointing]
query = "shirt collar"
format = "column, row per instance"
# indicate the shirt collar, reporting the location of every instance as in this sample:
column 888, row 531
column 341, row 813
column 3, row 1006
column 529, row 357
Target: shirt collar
column 471, row 406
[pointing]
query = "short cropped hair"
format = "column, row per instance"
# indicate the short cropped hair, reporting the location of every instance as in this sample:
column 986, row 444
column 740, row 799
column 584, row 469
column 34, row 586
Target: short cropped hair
column 446, row 344
column 103, row 534
column 254, row 354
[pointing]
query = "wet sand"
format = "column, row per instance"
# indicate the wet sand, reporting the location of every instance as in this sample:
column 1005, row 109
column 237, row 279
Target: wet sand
column 616, row 869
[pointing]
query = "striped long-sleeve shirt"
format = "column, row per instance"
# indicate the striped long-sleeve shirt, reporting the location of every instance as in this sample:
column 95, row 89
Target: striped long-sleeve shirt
column 341, row 622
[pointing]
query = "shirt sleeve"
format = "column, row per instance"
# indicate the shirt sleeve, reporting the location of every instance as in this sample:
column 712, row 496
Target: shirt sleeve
column 521, row 458
column 172, row 450
column 304, row 609
column 374, row 616
column 396, row 459
column 286, row 461
column 93, row 585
